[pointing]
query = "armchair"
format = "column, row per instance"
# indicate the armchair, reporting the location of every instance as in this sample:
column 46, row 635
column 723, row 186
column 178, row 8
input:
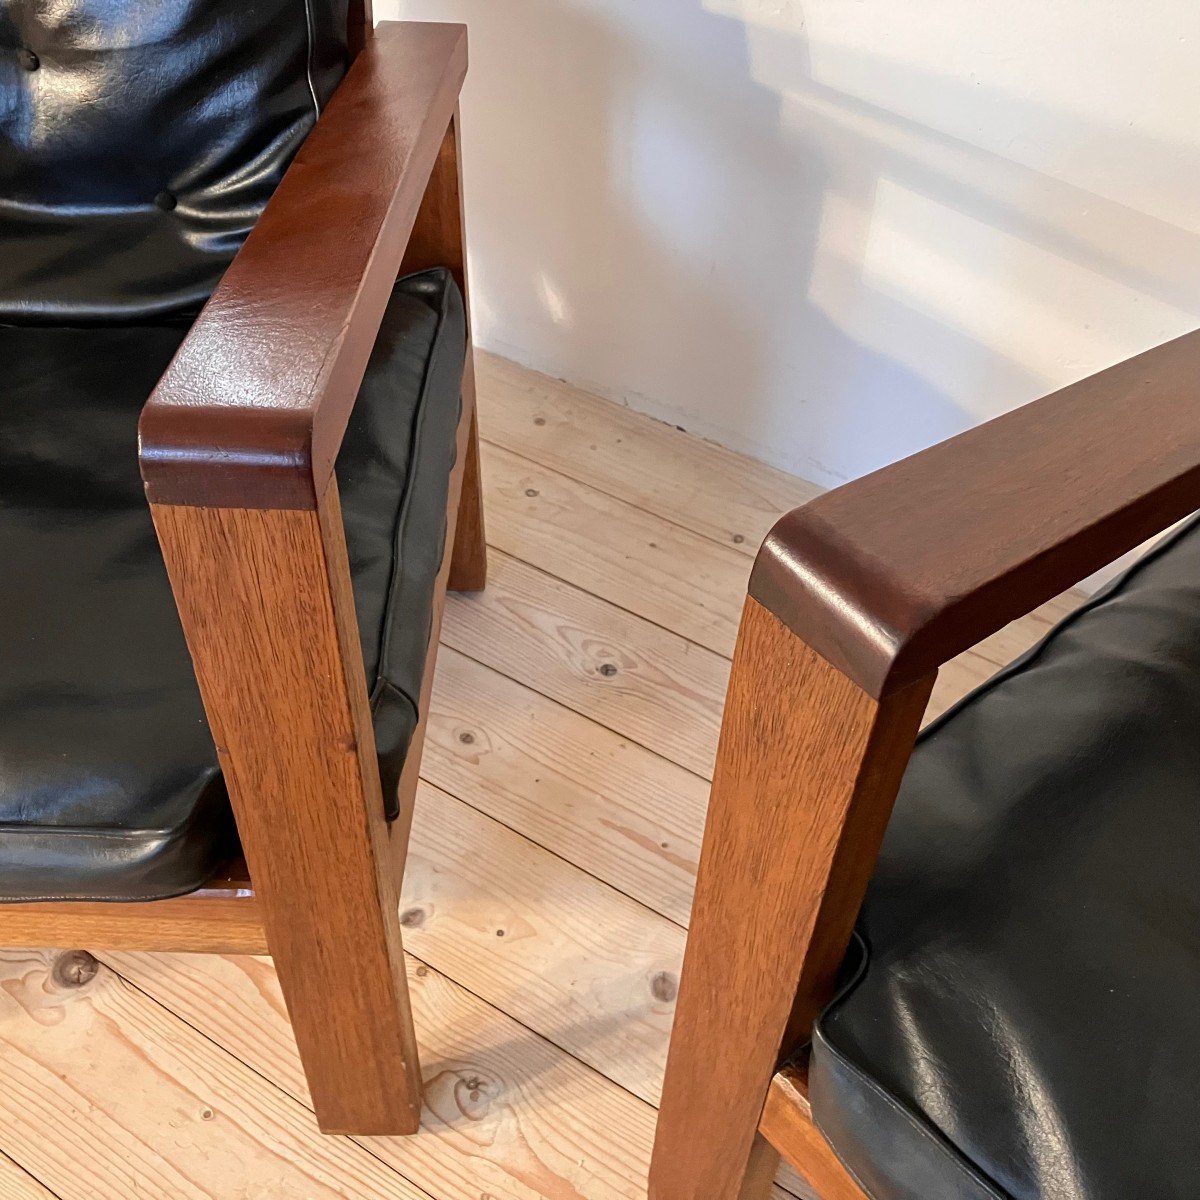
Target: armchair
column 294, row 294
column 985, row 992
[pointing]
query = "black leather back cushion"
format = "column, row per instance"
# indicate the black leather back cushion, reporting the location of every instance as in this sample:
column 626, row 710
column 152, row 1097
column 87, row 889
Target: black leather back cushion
column 140, row 139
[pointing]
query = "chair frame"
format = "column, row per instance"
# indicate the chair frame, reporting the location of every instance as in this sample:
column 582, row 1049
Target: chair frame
column 237, row 447
column 855, row 601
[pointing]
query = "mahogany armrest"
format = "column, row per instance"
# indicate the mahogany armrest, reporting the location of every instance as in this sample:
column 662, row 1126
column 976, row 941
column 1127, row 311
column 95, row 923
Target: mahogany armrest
column 892, row 575
column 253, row 408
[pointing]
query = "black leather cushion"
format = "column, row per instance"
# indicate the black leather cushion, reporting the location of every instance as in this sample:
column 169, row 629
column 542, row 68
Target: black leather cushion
column 109, row 786
column 1025, row 1020
column 140, row 140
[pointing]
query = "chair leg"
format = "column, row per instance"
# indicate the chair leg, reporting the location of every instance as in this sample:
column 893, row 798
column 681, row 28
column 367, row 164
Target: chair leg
column 468, row 563
column 807, row 771
column 266, row 606
column 439, row 239
column 759, row 1178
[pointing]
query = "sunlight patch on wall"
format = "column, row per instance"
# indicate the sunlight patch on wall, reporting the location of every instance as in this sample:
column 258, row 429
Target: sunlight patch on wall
column 769, row 14
column 1009, row 298
column 553, row 300
column 677, row 173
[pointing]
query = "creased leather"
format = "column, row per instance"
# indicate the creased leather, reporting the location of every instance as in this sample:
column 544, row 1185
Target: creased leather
column 109, row 786
column 1026, row 1024
column 137, row 155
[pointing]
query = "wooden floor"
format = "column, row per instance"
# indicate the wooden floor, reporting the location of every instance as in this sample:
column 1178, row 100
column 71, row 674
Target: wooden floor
column 573, row 729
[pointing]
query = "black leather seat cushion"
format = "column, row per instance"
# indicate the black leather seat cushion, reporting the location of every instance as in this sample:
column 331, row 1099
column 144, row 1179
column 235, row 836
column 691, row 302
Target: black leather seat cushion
column 109, row 786
column 1025, row 1019
column 139, row 142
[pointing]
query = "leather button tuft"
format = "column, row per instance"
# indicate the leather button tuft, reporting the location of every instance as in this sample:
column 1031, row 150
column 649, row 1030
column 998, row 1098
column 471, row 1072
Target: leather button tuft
column 28, row 59
column 166, row 201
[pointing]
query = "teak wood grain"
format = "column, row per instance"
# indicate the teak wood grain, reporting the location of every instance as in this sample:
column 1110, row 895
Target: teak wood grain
column 439, row 239
column 256, row 551
column 787, row 1125
column 891, row 575
column 807, row 769
column 223, row 917
column 252, row 410
column 266, row 606
column 360, row 24
column 238, row 470
column 468, row 557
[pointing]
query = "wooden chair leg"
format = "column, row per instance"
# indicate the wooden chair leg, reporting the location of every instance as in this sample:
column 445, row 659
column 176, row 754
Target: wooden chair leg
column 787, row 1124
column 761, row 1168
column 439, row 239
column 266, row 605
column 807, row 770
column 468, row 563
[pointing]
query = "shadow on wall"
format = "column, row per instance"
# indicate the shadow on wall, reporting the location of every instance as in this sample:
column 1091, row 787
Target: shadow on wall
column 666, row 207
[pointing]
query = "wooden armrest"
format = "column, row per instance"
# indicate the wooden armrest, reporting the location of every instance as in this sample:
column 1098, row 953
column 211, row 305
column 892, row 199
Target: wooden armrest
column 892, row 575
column 855, row 600
column 253, row 408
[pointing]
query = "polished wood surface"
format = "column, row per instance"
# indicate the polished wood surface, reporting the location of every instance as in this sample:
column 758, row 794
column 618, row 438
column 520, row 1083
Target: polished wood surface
column 788, row 1125
column 439, row 239
column 807, row 769
column 360, row 25
column 759, row 1179
column 468, row 558
column 221, row 918
column 893, row 574
column 266, row 605
column 252, row 411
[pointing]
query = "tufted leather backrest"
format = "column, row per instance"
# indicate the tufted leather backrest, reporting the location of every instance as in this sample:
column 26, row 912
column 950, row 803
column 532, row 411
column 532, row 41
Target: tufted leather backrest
column 140, row 139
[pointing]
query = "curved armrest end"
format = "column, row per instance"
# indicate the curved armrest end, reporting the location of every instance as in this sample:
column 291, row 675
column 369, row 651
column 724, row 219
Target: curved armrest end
column 853, row 612
column 810, row 580
column 893, row 574
column 252, row 410
column 248, row 458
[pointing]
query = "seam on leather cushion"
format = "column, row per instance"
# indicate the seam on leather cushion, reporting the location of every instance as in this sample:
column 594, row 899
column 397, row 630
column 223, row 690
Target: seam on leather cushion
column 939, row 1144
column 170, row 841
column 862, row 1185
column 386, row 685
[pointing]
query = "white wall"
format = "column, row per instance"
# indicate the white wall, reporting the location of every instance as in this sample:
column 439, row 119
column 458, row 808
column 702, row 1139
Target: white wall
column 829, row 232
